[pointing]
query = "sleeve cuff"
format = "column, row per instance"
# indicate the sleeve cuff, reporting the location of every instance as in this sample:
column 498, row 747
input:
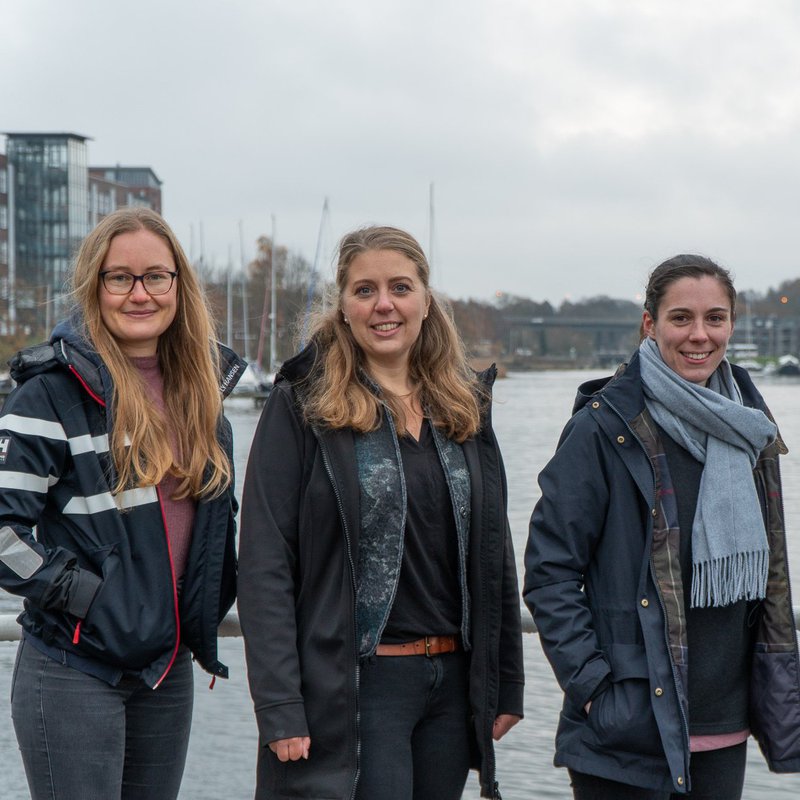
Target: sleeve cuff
column 82, row 590
column 281, row 722
column 510, row 700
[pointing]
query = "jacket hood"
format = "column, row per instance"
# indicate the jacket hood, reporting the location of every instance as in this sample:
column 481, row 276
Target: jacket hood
column 70, row 349
column 626, row 374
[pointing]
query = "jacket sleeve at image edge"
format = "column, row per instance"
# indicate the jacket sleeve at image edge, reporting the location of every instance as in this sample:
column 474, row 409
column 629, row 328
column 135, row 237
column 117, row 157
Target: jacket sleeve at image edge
column 267, row 567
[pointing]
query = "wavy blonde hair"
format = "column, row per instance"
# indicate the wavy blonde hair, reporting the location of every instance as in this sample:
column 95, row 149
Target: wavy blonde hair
column 337, row 394
column 140, row 439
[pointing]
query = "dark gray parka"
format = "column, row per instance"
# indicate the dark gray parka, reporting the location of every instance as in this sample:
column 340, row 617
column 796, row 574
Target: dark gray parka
column 603, row 584
column 298, row 551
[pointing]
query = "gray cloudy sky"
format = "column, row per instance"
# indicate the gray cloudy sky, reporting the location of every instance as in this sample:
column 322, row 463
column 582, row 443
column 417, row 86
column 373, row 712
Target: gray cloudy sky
column 572, row 145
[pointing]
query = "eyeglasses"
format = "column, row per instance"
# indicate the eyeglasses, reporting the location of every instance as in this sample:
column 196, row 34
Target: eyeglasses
column 155, row 283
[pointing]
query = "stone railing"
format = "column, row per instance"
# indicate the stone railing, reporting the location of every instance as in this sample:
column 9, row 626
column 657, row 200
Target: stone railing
column 10, row 629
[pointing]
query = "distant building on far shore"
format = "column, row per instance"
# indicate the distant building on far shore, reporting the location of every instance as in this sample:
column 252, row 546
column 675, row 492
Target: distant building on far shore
column 50, row 198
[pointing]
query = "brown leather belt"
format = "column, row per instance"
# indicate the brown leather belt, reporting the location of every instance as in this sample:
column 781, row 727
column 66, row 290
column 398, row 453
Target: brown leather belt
column 427, row 646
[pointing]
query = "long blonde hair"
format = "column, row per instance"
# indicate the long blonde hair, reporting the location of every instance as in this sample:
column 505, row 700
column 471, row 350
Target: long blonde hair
column 448, row 390
column 140, row 439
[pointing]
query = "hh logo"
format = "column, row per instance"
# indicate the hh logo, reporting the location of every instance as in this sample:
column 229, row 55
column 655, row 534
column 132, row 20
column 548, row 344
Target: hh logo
column 5, row 442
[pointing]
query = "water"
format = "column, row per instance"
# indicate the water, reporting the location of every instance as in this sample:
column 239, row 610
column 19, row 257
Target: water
column 530, row 411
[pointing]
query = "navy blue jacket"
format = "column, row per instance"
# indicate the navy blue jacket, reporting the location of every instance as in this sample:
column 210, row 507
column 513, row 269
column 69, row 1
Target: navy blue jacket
column 95, row 569
column 600, row 581
column 298, row 551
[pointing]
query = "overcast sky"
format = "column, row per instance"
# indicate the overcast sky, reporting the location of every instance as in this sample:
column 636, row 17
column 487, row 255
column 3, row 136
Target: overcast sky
column 572, row 145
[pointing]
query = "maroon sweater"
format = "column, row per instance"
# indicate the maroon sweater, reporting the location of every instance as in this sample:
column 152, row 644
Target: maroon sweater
column 179, row 514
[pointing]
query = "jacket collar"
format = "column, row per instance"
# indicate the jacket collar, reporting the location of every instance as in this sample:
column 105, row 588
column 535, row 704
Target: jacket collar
column 622, row 390
column 70, row 349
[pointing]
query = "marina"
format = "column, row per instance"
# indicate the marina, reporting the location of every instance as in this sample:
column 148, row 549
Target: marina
column 530, row 411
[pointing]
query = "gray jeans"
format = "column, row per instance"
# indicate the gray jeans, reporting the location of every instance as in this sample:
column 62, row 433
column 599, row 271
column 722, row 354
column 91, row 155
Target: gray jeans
column 82, row 739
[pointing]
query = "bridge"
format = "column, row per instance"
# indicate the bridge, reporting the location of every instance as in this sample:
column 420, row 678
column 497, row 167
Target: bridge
column 608, row 335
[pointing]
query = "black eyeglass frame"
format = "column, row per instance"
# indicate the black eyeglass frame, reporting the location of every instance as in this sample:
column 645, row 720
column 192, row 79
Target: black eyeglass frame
column 141, row 278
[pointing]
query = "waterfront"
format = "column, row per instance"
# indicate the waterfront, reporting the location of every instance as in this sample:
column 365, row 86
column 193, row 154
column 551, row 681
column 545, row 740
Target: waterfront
column 530, row 411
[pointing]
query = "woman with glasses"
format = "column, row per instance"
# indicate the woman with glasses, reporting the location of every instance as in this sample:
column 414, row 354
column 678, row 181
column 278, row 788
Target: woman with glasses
column 116, row 519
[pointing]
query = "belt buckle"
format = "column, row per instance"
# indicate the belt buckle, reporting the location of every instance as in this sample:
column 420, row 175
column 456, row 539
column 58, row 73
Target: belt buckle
column 427, row 647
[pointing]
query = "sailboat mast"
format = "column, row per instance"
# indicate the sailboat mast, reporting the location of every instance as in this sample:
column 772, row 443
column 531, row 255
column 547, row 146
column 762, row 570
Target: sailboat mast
column 245, row 310
column 273, row 310
column 229, row 300
column 314, row 274
column 430, row 230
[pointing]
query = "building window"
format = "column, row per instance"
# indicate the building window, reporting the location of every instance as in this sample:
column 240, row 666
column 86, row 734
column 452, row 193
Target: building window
column 3, row 218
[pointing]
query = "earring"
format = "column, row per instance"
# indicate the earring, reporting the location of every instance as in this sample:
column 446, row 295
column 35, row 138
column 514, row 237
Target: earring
column 346, row 321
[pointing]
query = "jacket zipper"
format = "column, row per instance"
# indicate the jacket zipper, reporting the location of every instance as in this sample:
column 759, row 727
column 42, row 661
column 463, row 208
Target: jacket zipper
column 491, row 779
column 174, row 594
column 349, row 546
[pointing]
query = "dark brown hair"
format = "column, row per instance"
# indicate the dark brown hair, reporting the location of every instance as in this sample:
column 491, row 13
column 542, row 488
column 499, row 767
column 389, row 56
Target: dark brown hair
column 683, row 266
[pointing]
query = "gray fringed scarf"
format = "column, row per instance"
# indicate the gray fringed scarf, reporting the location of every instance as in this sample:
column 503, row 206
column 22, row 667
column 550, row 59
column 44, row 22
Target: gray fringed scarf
column 730, row 554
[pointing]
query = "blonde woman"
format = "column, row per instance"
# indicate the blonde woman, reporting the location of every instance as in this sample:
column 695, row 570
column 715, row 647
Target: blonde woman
column 378, row 593
column 116, row 519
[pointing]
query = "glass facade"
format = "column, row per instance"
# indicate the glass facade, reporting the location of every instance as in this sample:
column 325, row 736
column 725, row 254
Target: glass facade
column 50, row 217
column 49, row 200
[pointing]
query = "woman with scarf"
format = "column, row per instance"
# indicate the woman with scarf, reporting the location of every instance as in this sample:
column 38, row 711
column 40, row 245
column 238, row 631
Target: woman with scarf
column 656, row 566
column 378, row 594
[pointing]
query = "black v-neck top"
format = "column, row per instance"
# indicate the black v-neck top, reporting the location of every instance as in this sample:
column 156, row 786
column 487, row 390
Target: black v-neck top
column 428, row 599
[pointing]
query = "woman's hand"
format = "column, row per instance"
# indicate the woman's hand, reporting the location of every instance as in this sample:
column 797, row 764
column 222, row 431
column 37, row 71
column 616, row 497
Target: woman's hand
column 503, row 723
column 292, row 749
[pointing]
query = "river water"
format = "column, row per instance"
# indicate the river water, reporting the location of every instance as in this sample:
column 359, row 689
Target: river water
column 530, row 410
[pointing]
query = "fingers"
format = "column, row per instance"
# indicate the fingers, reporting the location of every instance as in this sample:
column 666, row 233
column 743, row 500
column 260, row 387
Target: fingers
column 291, row 749
column 503, row 724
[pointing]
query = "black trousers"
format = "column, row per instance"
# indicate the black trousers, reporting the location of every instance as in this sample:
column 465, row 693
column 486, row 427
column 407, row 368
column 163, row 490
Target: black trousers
column 715, row 774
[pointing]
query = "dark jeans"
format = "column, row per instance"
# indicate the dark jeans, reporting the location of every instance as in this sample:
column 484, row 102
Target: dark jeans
column 82, row 739
column 415, row 728
column 716, row 775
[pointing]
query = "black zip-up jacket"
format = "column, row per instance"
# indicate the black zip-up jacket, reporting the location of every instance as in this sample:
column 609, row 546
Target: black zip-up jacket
column 96, row 573
column 298, row 551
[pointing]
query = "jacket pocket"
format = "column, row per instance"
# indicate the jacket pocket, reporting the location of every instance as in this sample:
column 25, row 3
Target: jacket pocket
column 130, row 622
column 621, row 717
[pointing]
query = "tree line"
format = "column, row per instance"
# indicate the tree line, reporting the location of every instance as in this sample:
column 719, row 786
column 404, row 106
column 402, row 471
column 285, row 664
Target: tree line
column 489, row 329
